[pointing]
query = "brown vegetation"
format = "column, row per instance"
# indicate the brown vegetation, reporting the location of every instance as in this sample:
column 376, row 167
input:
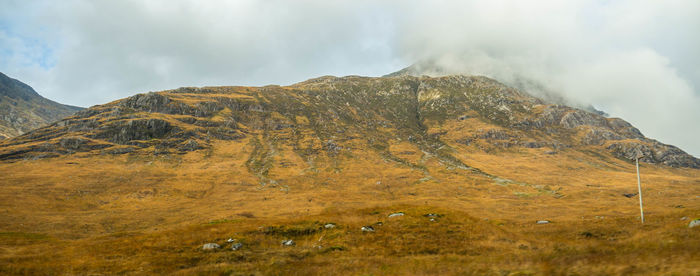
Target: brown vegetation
column 266, row 168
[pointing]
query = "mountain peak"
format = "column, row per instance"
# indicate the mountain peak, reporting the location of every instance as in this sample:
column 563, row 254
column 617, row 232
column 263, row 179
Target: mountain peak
column 23, row 109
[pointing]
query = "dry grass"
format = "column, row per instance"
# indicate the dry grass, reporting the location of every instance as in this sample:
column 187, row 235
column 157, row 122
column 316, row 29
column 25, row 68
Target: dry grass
column 142, row 213
column 455, row 243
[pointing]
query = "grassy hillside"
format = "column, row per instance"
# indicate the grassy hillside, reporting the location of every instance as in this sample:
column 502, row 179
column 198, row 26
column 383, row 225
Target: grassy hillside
column 137, row 186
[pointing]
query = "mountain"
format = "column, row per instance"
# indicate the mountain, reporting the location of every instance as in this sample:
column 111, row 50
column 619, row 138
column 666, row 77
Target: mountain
column 388, row 175
column 437, row 115
column 22, row 109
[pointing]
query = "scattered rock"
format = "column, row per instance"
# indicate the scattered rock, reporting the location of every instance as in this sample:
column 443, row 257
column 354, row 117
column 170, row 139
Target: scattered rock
column 236, row 246
column 694, row 223
column 329, row 226
column 190, row 145
column 367, row 229
column 542, row 221
column 464, row 117
column 288, row 243
column 230, row 240
column 396, row 214
column 210, row 246
column 629, row 195
column 432, row 219
column 432, row 215
column 332, row 147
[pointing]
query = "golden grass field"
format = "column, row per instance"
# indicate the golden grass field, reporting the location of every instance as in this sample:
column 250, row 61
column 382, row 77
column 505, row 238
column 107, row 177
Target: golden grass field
column 89, row 214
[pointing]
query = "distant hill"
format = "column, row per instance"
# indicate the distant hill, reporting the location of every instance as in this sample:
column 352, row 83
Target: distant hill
column 22, row 109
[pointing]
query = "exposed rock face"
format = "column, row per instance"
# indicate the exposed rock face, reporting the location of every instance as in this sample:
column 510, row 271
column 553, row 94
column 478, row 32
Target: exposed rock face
column 123, row 132
column 22, row 109
column 318, row 117
column 654, row 152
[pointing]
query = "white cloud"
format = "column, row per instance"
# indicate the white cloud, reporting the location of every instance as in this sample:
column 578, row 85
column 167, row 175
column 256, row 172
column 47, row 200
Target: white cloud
column 635, row 59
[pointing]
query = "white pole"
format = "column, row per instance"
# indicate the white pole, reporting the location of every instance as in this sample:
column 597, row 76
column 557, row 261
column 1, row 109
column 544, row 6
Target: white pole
column 639, row 186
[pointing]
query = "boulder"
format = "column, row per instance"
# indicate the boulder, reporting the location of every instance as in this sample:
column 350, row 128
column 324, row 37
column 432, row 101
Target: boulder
column 288, row 243
column 542, row 221
column 398, row 214
column 367, row 228
column 329, row 225
column 236, row 246
column 694, row 223
column 210, row 246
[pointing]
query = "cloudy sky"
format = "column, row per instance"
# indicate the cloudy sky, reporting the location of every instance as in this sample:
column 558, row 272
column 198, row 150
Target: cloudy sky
column 636, row 59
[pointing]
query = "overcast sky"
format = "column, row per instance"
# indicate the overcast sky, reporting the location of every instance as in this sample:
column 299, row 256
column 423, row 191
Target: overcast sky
column 638, row 60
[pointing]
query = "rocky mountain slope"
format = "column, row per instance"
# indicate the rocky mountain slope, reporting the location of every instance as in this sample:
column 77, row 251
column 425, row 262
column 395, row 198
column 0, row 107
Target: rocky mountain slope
column 22, row 109
column 333, row 116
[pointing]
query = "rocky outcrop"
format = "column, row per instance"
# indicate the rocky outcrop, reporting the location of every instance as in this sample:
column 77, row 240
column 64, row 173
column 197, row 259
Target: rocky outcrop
column 651, row 151
column 123, row 132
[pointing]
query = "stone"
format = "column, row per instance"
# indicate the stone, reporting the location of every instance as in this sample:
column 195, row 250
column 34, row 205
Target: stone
column 329, row 225
column 367, row 229
column 236, row 246
column 432, row 215
column 694, row 223
column 288, row 243
column 542, row 221
column 210, row 246
column 230, row 240
column 398, row 214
